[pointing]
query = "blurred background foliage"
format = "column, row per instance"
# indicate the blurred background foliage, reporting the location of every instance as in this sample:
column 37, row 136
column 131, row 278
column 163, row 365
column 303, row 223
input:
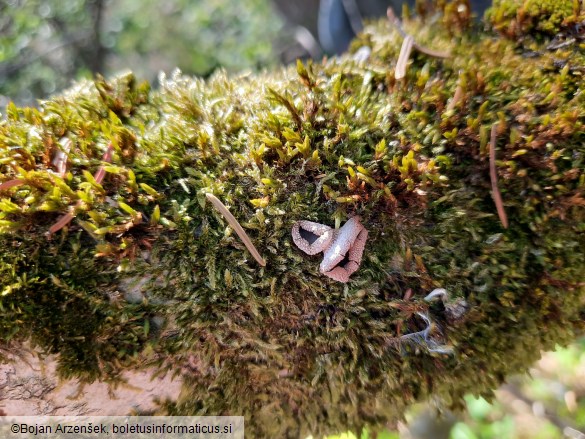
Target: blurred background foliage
column 547, row 403
column 46, row 44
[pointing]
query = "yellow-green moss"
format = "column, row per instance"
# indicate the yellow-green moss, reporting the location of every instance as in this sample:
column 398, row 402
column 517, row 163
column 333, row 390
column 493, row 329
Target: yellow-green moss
column 521, row 17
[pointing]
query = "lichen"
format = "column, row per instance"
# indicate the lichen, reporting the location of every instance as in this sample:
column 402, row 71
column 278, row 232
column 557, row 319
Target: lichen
column 291, row 350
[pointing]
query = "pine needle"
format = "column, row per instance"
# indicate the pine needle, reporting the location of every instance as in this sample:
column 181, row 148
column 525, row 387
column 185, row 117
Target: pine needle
column 398, row 24
column 237, row 227
column 403, row 57
column 494, row 178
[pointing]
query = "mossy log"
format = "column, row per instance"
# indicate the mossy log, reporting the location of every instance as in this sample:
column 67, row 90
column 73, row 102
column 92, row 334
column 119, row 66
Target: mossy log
column 468, row 174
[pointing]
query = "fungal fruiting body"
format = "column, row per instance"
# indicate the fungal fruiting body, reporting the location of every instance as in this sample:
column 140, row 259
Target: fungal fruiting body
column 323, row 233
column 342, row 248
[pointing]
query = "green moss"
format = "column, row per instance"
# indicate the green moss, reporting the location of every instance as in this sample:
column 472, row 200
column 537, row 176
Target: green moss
column 293, row 351
column 521, row 17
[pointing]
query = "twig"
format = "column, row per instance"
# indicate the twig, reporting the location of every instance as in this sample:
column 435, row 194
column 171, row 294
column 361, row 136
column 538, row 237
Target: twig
column 494, row 178
column 237, row 227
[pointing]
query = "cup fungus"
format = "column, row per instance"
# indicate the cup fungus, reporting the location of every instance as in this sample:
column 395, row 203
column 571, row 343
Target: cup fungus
column 343, row 248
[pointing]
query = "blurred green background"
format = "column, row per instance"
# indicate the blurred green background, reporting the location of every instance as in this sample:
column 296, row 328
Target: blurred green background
column 547, row 403
column 46, row 44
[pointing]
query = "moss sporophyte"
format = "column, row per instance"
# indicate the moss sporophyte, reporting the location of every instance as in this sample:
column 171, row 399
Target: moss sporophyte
column 467, row 174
